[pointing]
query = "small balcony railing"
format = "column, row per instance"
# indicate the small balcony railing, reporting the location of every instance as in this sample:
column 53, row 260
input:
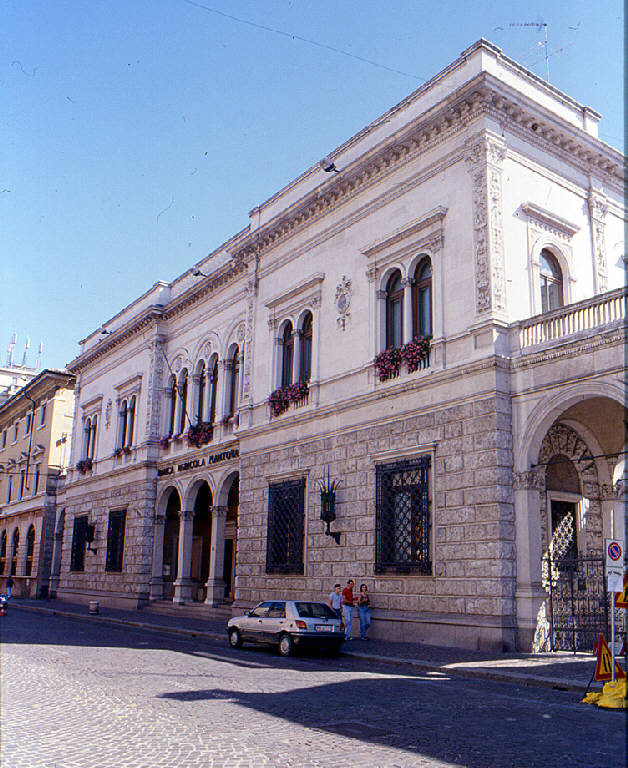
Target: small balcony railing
column 605, row 309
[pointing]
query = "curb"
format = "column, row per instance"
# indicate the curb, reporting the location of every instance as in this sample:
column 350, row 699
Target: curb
column 533, row 681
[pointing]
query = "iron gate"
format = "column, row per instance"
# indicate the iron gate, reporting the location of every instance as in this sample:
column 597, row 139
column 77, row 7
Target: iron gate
column 578, row 601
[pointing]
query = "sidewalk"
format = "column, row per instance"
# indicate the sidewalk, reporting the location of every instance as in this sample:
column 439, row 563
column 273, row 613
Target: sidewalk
column 562, row 670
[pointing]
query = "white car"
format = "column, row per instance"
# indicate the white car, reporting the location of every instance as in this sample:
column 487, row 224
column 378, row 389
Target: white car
column 286, row 624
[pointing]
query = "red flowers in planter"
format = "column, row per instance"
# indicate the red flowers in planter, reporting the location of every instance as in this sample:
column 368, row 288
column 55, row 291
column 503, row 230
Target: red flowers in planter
column 199, row 434
column 280, row 399
column 84, row 465
column 388, row 363
column 415, row 354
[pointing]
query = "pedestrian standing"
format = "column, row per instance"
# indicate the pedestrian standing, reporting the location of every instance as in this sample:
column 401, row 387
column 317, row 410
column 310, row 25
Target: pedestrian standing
column 335, row 601
column 10, row 584
column 347, row 607
column 364, row 610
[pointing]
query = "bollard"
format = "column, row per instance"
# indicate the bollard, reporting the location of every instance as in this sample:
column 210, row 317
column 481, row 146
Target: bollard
column 93, row 606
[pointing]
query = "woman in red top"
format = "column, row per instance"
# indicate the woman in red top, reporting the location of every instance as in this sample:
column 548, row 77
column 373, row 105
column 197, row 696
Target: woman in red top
column 347, row 608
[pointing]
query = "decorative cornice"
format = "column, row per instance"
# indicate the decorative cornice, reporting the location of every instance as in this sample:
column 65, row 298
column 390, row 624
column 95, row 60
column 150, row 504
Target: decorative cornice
column 313, row 281
column 549, row 221
column 435, row 216
column 484, row 95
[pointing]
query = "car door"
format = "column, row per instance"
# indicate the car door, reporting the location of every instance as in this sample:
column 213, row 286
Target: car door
column 253, row 624
column 275, row 622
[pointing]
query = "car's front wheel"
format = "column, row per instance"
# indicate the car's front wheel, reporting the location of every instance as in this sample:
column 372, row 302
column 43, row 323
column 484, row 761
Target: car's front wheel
column 235, row 638
column 286, row 645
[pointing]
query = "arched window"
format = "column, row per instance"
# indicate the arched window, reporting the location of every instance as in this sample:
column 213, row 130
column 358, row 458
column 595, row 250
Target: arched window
column 235, row 382
column 3, row 551
column 306, row 348
column 287, row 355
column 183, row 390
column 130, row 420
column 213, row 389
column 30, row 549
column 394, row 311
column 9, row 488
column 551, row 282
column 200, row 393
column 14, row 548
column 422, row 299
column 172, row 392
column 89, row 437
column 122, row 424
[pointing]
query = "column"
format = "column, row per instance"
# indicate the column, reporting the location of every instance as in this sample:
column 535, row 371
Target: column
column 296, row 372
column 216, row 583
column 157, row 575
column 315, row 373
column 529, row 594
column 183, row 582
column 380, row 314
column 407, row 311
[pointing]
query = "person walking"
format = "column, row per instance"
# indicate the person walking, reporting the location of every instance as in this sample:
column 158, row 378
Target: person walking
column 335, row 601
column 347, row 607
column 364, row 610
column 10, row 584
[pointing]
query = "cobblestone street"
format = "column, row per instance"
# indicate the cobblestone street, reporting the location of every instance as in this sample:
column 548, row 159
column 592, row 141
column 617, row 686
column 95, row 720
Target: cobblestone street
column 80, row 695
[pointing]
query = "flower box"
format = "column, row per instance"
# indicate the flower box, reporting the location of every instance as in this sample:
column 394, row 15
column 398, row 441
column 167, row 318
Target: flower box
column 199, row 434
column 415, row 355
column 84, row 465
column 281, row 398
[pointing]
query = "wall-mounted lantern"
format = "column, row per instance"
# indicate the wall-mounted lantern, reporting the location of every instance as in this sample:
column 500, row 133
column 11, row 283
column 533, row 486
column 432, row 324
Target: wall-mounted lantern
column 328, row 504
column 90, row 535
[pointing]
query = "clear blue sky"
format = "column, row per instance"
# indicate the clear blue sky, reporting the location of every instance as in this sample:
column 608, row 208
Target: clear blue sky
column 136, row 135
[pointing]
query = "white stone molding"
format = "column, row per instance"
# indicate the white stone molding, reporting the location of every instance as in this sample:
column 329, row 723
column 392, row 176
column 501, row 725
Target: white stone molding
column 547, row 221
column 295, row 299
column 484, row 157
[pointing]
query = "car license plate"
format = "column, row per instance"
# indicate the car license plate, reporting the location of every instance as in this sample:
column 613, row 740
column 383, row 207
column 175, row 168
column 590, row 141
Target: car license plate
column 324, row 627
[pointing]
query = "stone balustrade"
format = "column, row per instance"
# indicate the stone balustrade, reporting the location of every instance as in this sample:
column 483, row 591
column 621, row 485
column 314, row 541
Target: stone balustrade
column 602, row 311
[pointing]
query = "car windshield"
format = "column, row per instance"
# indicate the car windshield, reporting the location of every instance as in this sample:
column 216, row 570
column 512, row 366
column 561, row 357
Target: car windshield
column 315, row 611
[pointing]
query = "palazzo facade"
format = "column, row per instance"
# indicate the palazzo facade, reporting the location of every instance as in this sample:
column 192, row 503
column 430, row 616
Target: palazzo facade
column 438, row 326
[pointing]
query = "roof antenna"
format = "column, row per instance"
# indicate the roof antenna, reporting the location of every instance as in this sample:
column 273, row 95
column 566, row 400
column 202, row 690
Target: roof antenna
column 539, row 25
column 26, row 348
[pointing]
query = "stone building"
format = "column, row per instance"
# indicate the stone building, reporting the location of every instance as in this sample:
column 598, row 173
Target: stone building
column 35, row 443
column 438, row 326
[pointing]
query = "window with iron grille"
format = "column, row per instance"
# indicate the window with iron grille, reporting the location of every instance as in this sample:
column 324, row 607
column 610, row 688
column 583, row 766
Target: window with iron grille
column 79, row 539
column 403, row 524
column 115, row 540
column 286, row 518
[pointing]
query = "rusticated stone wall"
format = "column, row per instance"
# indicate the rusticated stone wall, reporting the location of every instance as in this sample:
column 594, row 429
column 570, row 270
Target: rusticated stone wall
column 471, row 590
column 131, row 586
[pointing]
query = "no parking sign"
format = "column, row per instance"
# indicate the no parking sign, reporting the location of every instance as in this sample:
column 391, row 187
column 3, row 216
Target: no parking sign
column 614, row 564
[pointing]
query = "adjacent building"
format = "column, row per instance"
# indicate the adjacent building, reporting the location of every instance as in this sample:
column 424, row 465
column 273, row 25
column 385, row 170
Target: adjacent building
column 35, row 447
column 438, row 327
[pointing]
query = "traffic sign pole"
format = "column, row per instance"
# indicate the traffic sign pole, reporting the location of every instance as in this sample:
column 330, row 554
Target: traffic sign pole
column 614, row 570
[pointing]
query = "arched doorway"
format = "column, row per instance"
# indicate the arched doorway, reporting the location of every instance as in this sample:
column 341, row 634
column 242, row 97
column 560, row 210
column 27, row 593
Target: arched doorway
column 201, row 540
column 171, row 543
column 231, row 537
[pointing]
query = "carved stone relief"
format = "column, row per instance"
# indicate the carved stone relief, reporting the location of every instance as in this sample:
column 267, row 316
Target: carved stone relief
column 344, row 292
column 598, row 208
column 484, row 160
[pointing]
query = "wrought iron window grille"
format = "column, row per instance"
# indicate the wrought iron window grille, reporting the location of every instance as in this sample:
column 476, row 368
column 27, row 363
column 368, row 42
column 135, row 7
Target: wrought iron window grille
column 403, row 525
column 286, row 525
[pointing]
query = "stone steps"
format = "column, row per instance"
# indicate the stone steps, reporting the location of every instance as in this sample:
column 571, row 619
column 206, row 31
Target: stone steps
column 191, row 610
